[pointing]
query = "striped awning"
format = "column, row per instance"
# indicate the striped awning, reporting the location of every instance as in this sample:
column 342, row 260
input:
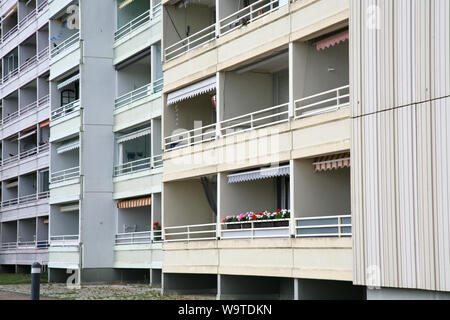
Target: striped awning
column 333, row 161
column 192, row 90
column 44, row 123
column 262, row 173
column 134, row 135
column 134, row 203
column 69, row 146
column 332, row 41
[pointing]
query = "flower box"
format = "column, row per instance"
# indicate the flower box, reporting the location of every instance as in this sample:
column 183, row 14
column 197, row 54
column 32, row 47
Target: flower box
column 233, row 226
column 265, row 224
column 281, row 223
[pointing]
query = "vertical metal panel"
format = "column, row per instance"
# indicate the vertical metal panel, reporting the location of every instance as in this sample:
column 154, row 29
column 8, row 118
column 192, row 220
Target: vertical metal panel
column 441, row 165
column 355, row 57
column 425, row 243
column 387, row 208
column 371, row 193
column 385, row 56
column 406, row 195
column 402, row 52
column 440, row 63
column 369, row 53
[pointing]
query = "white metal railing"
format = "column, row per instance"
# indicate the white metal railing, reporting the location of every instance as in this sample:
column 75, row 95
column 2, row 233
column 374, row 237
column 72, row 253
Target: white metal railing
column 139, row 93
column 28, row 18
column 273, row 228
column 10, row 32
column 248, row 14
column 191, row 232
column 43, row 5
column 66, row 44
column 138, row 165
column 138, row 22
column 43, row 54
column 196, row 40
column 11, row 159
column 45, row 100
column 322, row 102
column 42, row 244
column 30, row 107
column 326, row 226
column 10, row 117
column 138, row 237
column 65, row 110
column 64, row 240
column 10, row 202
column 28, row 153
column 9, row 245
column 191, row 137
column 255, row 120
column 12, row 74
column 64, row 175
column 30, row 62
column 26, row 244
column 34, row 197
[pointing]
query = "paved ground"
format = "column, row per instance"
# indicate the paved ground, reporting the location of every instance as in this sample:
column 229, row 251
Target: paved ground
column 90, row 292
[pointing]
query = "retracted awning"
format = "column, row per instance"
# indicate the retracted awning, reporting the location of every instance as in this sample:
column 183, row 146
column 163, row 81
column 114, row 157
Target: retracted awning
column 68, row 81
column 333, row 161
column 192, row 90
column 258, row 174
column 332, row 41
column 134, row 135
column 134, row 203
column 68, row 146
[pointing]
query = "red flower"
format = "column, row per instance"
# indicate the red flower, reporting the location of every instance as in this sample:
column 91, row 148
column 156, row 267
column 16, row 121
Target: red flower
column 254, row 217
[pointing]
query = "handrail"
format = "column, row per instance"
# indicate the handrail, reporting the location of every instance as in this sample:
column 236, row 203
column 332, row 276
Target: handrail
column 138, row 165
column 10, row 202
column 191, row 137
column 138, row 22
column 323, row 226
column 255, row 120
column 28, row 63
column 64, row 175
column 9, row 245
column 32, row 106
column 189, row 234
column 196, row 40
column 27, row 18
column 256, row 229
column 64, row 240
column 10, row 32
column 139, row 93
column 14, row 73
column 322, row 102
column 138, row 237
column 63, row 46
column 43, row 5
column 43, row 54
column 247, row 15
column 26, row 199
column 65, row 110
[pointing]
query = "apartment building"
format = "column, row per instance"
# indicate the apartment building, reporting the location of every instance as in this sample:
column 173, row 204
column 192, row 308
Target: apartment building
column 256, row 118
column 24, row 134
column 105, row 178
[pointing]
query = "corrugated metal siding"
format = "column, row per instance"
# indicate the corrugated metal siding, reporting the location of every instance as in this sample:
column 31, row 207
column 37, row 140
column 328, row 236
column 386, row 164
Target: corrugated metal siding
column 401, row 143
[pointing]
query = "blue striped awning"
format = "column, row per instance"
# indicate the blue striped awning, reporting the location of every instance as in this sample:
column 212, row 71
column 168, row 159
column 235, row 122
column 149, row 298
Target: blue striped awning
column 262, row 173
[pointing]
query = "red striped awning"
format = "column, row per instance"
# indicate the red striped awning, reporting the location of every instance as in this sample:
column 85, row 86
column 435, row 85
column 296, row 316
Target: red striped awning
column 134, row 203
column 332, row 41
column 333, row 161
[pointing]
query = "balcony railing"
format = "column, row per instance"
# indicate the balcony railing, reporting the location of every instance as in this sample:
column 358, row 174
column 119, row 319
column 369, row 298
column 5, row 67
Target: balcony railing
column 10, row 202
column 64, row 241
column 27, row 19
column 30, row 107
column 43, row 5
column 255, row 120
column 138, row 94
column 26, row 199
column 191, row 232
column 9, row 245
column 65, row 45
column 322, row 102
column 10, row 32
column 138, row 22
column 196, row 40
column 326, row 226
column 30, row 62
column 65, row 175
column 191, row 137
column 65, row 110
column 138, row 165
column 247, row 15
column 138, row 237
column 276, row 228
column 11, row 75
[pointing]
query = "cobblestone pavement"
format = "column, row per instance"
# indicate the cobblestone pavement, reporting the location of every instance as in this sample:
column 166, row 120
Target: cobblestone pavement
column 91, row 292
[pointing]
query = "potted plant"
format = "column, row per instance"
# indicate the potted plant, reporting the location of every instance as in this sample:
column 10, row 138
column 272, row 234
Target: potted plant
column 156, row 235
column 266, row 220
column 229, row 225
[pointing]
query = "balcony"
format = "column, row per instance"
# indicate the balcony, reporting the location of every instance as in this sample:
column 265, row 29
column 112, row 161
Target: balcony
column 25, row 200
column 136, row 95
column 138, row 165
column 26, row 110
column 63, row 48
column 226, row 24
column 138, row 22
column 65, row 110
column 64, row 241
column 65, row 175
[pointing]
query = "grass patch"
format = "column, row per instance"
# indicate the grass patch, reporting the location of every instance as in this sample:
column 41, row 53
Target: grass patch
column 19, row 278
